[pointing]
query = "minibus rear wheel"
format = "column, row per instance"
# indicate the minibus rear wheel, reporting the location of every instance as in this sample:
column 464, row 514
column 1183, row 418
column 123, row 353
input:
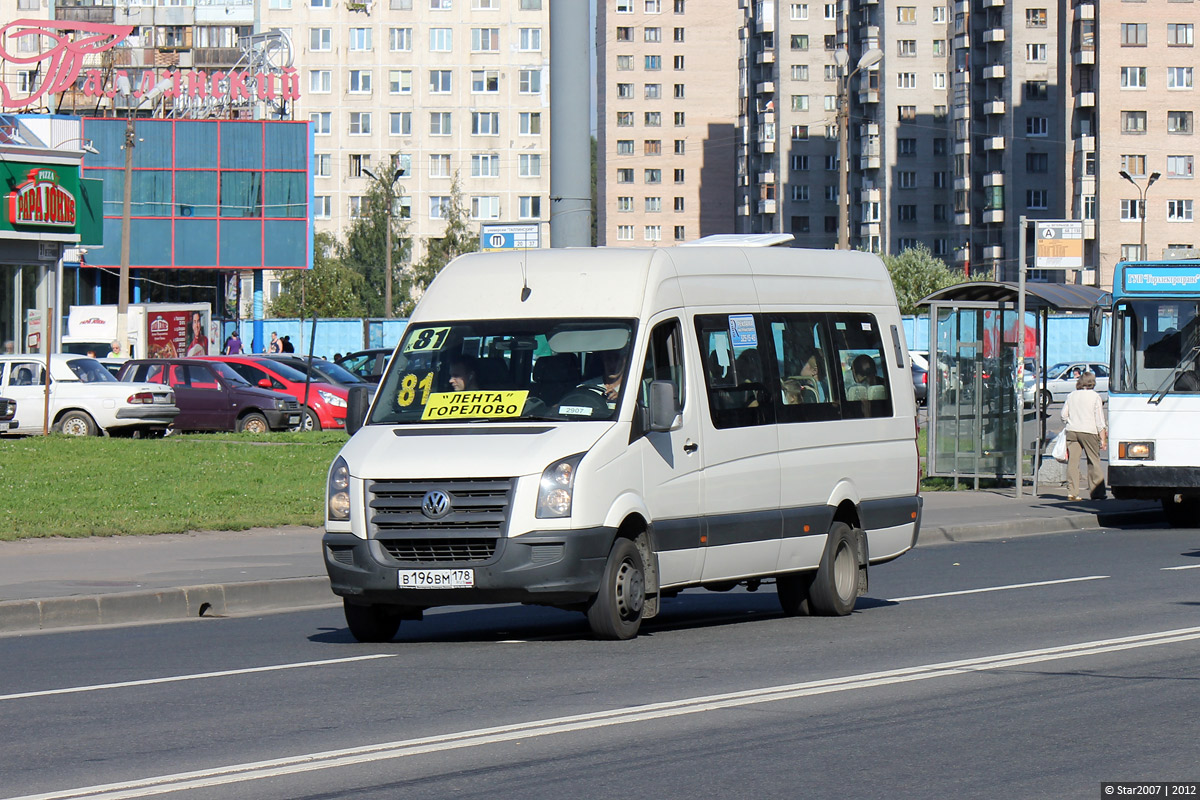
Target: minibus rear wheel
column 616, row 610
column 373, row 623
column 835, row 588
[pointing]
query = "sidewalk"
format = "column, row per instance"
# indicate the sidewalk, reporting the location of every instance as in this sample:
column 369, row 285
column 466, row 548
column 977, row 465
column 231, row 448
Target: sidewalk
column 60, row 583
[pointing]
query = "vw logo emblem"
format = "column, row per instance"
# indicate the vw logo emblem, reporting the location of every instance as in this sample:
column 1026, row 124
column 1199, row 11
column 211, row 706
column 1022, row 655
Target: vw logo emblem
column 436, row 504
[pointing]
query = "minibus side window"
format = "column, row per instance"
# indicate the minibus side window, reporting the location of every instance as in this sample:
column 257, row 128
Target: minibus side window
column 664, row 361
column 734, row 371
column 864, row 374
column 802, row 356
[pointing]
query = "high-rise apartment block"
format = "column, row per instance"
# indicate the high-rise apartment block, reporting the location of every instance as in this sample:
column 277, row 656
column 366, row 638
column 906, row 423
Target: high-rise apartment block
column 667, row 119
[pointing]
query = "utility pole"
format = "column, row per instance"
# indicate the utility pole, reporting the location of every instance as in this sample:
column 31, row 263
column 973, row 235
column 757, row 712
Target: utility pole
column 389, row 190
column 127, row 201
column 869, row 59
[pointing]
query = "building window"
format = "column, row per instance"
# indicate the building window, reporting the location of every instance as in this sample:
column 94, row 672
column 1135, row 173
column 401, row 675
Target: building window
column 1180, row 166
column 1135, row 165
column 1179, row 122
column 624, row 34
column 319, row 81
column 441, row 40
column 907, row 113
column 831, row 102
column 906, row 15
column 624, row 91
column 625, row 176
column 485, row 123
column 908, row 180
column 320, row 40
column 653, row 91
column 939, row 47
column 360, row 81
column 529, row 206
column 439, row 165
column 653, row 6
column 440, row 5
column 624, row 147
column 624, row 63
column 906, row 80
column 399, row 39
column 1133, row 34
column 907, row 213
column 1179, row 34
column 680, row 233
column 1089, row 206
column 530, row 81
column 680, row 176
column 1179, row 77
column 360, row 123
column 624, row 119
column 939, row 80
column 322, row 163
column 653, row 205
column 531, row 123
column 652, row 233
column 1035, row 198
column 799, row 41
column 653, row 63
column 906, row 48
column 1037, row 162
column 799, row 72
column 485, row 40
column 1133, row 77
column 652, row 119
column 624, row 204
column 485, row 165
column 1036, row 90
column 485, row 81
column 799, row 11
column 831, row 163
column 678, row 91
column 652, row 176
column 439, row 81
column 680, row 147
column 1131, row 210
column 530, row 40
column 487, row 207
column 831, row 11
column 438, row 206
column 939, row 112
column 799, row 133
column 1037, row 126
column 1035, row 53
column 400, row 81
column 799, row 102
column 800, row 194
column 400, row 123
column 906, row 147
column 678, row 62
column 679, row 118
column 357, row 204
column 679, row 204
column 1035, row 18
column 678, row 35
column 652, row 147
column 624, row 233
column 1134, row 121
column 439, row 123
column 1179, row 211
column 322, row 207
column 360, row 39
column 652, row 34
column 321, row 122
column 530, row 165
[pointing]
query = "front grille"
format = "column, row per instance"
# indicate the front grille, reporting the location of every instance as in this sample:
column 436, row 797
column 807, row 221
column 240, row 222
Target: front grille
column 291, row 405
column 478, row 507
column 439, row 550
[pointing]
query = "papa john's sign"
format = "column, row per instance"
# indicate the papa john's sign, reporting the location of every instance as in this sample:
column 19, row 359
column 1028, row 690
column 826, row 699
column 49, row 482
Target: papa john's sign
column 41, row 200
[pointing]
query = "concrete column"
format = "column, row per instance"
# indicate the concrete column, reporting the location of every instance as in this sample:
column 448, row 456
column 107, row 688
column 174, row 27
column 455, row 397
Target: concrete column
column 570, row 140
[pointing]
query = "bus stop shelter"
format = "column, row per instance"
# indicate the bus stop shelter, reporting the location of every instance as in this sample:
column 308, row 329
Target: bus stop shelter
column 977, row 420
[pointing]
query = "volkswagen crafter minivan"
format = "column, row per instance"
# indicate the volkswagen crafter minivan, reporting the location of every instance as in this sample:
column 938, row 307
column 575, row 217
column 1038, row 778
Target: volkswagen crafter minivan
column 599, row 429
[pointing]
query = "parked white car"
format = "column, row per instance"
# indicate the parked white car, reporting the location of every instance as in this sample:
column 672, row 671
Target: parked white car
column 85, row 399
column 1060, row 380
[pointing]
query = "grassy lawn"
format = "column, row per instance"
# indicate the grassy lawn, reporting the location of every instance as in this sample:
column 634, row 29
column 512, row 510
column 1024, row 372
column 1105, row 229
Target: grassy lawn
column 65, row 486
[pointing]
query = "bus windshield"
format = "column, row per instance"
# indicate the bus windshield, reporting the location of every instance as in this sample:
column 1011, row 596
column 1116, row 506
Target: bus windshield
column 1156, row 339
column 507, row 371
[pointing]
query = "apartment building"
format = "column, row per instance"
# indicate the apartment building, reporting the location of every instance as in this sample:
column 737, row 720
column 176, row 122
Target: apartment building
column 1146, row 111
column 667, row 73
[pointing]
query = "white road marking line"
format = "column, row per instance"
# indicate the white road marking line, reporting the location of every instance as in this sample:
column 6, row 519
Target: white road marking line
column 196, row 677
column 998, row 588
column 309, row 762
column 1188, row 566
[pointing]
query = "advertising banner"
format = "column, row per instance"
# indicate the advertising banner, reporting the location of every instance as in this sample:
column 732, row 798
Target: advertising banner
column 173, row 334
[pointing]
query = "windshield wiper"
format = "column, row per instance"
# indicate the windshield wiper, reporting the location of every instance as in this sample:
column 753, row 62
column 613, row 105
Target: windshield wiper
column 1169, row 384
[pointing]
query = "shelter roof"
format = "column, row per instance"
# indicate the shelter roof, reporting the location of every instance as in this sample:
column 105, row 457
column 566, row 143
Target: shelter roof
column 1051, row 296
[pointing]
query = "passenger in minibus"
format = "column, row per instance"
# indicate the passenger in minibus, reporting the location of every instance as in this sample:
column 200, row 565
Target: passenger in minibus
column 462, row 374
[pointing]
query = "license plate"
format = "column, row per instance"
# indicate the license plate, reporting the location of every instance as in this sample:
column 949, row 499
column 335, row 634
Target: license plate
column 437, row 579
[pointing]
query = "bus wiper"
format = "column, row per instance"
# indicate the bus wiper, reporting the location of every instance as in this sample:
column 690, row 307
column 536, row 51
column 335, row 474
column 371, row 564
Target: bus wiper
column 1169, row 383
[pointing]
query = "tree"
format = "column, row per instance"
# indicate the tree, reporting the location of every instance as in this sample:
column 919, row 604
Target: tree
column 365, row 249
column 917, row 273
column 440, row 251
column 329, row 289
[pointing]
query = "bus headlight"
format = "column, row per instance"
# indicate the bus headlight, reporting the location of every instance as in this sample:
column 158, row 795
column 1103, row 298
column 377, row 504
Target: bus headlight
column 1137, row 451
column 337, row 492
column 557, row 487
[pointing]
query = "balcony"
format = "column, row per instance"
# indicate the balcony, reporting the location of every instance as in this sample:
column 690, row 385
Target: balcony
column 1089, row 229
column 962, row 148
column 869, row 161
column 744, row 209
column 993, row 143
column 1085, row 100
column 993, row 179
column 765, row 87
column 962, row 7
column 870, row 196
column 993, row 35
column 766, row 177
column 994, row 73
column 1085, row 56
column 962, row 42
column 993, row 216
column 766, row 145
column 992, row 3
column 766, row 56
column 962, row 79
column 869, row 229
column 766, row 206
column 869, row 129
column 868, row 32
column 1085, row 144
column 963, row 255
column 1085, row 11
column 765, row 21
column 994, row 107
column 962, row 184
column 868, row 96
column 993, row 252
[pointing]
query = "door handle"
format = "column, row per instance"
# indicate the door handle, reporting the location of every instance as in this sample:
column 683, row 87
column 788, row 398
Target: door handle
column 690, row 447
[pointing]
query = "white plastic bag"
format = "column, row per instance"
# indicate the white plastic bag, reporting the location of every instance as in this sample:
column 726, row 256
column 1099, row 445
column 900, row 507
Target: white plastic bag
column 1058, row 448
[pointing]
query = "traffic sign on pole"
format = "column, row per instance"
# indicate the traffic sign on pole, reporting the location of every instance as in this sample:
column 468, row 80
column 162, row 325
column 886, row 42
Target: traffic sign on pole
column 515, row 236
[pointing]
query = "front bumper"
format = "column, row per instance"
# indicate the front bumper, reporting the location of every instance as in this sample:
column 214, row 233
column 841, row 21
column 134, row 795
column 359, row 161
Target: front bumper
column 282, row 420
column 559, row 568
column 1149, row 482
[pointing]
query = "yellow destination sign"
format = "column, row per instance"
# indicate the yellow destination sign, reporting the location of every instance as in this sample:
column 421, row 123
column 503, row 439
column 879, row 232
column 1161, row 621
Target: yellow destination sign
column 474, row 405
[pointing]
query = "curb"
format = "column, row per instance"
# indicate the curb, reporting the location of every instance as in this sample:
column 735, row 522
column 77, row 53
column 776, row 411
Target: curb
column 1036, row 526
column 163, row 605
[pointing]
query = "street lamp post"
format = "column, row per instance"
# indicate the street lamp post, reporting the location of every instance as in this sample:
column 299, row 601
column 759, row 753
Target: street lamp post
column 389, row 188
column 1142, row 205
column 869, row 58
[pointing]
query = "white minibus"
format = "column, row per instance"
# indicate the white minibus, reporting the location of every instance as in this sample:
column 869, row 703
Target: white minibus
column 598, row 429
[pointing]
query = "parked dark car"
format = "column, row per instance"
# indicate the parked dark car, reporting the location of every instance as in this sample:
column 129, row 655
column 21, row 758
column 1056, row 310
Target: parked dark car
column 367, row 364
column 320, row 370
column 212, row 397
column 920, row 379
column 8, row 410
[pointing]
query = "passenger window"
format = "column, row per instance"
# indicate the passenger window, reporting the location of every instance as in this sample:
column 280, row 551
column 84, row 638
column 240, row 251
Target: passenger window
column 201, row 378
column 26, row 373
column 734, row 371
column 664, row 361
column 151, row 373
column 802, row 354
column 178, row 377
column 860, row 357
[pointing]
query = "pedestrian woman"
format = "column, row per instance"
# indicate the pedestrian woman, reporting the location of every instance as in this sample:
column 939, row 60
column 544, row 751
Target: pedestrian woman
column 1087, row 434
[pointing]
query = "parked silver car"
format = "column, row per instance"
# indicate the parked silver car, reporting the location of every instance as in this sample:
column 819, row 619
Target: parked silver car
column 1060, row 381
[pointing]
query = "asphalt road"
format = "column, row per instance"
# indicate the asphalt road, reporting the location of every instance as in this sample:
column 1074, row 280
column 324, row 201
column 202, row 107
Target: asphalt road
column 954, row 678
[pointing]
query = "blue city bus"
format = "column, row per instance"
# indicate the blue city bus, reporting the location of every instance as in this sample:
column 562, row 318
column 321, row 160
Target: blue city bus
column 1154, row 385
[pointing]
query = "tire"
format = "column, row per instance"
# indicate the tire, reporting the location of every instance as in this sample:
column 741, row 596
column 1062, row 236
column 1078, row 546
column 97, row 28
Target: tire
column 76, row 423
column 253, row 423
column 371, row 623
column 1045, row 398
column 793, row 589
column 616, row 610
column 1182, row 515
column 310, row 421
column 835, row 586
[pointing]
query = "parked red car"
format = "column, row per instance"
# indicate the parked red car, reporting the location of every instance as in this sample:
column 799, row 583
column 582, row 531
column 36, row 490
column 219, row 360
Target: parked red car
column 326, row 406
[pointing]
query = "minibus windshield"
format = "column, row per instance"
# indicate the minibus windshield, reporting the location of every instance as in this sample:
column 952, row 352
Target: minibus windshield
column 506, row 371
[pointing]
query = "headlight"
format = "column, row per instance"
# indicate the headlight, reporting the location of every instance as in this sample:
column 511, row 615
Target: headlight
column 558, row 484
column 281, row 404
column 1140, row 451
column 338, row 490
column 332, row 399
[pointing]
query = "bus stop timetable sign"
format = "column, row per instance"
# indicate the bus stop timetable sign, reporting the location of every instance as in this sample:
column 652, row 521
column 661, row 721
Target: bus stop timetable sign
column 523, row 236
column 1059, row 245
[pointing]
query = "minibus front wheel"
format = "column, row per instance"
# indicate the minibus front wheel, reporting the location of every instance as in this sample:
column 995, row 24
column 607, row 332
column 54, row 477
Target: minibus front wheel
column 616, row 610
column 371, row 623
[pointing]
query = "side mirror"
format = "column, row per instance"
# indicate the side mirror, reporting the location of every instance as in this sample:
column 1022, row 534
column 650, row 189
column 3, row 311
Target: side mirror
column 1095, row 325
column 663, row 408
column 264, row 383
column 357, row 403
